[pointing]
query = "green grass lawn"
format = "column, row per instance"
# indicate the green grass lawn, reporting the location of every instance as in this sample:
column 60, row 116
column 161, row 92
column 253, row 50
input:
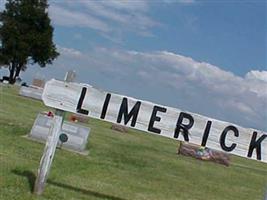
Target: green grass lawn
column 120, row 166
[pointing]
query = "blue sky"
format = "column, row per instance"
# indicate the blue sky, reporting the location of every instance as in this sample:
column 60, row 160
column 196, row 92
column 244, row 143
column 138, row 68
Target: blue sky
column 207, row 57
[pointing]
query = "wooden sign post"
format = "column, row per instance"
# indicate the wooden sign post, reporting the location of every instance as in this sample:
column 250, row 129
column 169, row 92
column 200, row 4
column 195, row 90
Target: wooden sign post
column 51, row 144
column 49, row 152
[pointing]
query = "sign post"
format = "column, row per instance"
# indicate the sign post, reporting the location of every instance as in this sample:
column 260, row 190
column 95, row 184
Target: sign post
column 49, row 151
column 51, row 145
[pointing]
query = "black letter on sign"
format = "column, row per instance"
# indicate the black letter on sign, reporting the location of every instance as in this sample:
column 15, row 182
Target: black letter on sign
column 206, row 134
column 79, row 106
column 256, row 144
column 180, row 127
column 105, row 106
column 127, row 116
column 154, row 118
column 223, row 136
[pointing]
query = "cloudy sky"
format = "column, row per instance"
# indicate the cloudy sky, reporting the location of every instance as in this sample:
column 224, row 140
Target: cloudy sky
column 200, row 56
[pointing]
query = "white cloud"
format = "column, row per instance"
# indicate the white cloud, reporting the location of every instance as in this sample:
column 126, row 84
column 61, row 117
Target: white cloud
column 112, row 19
column 257, row 82
column 127, row 5
column 65, row 17
column 180, row 1
column 257, row 75
column 70, row 52
column 108, row 17
column 130, row 13
column 78, row 36
column 2, row 4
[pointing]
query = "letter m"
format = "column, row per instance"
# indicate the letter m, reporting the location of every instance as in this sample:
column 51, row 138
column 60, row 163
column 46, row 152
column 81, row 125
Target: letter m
column 128, row 115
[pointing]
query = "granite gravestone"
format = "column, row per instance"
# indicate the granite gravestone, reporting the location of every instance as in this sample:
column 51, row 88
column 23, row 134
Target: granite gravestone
column 31, row 92
column 73, row 136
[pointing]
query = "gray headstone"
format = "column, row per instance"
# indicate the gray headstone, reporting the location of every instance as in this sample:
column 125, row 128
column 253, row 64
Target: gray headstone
column 32, row 92
column 74, row 135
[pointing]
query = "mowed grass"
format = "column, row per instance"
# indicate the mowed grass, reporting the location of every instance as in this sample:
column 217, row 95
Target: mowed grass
column 120, row 166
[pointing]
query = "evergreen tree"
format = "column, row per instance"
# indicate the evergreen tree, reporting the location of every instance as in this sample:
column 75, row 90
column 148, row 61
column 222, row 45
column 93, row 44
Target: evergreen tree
column 26, row 36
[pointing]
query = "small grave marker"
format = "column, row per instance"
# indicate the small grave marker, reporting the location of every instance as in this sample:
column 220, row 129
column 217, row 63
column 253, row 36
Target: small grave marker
column 31, row 92
column 77, row 134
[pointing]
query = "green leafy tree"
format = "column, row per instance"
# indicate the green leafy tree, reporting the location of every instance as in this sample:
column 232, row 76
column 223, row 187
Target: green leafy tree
column 26, row 36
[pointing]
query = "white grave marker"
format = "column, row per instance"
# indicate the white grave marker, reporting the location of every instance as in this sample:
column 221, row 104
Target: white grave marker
column 77, row 135
column 31, row 91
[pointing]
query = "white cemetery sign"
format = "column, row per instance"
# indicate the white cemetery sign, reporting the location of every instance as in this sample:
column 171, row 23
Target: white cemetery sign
column 161, row 120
